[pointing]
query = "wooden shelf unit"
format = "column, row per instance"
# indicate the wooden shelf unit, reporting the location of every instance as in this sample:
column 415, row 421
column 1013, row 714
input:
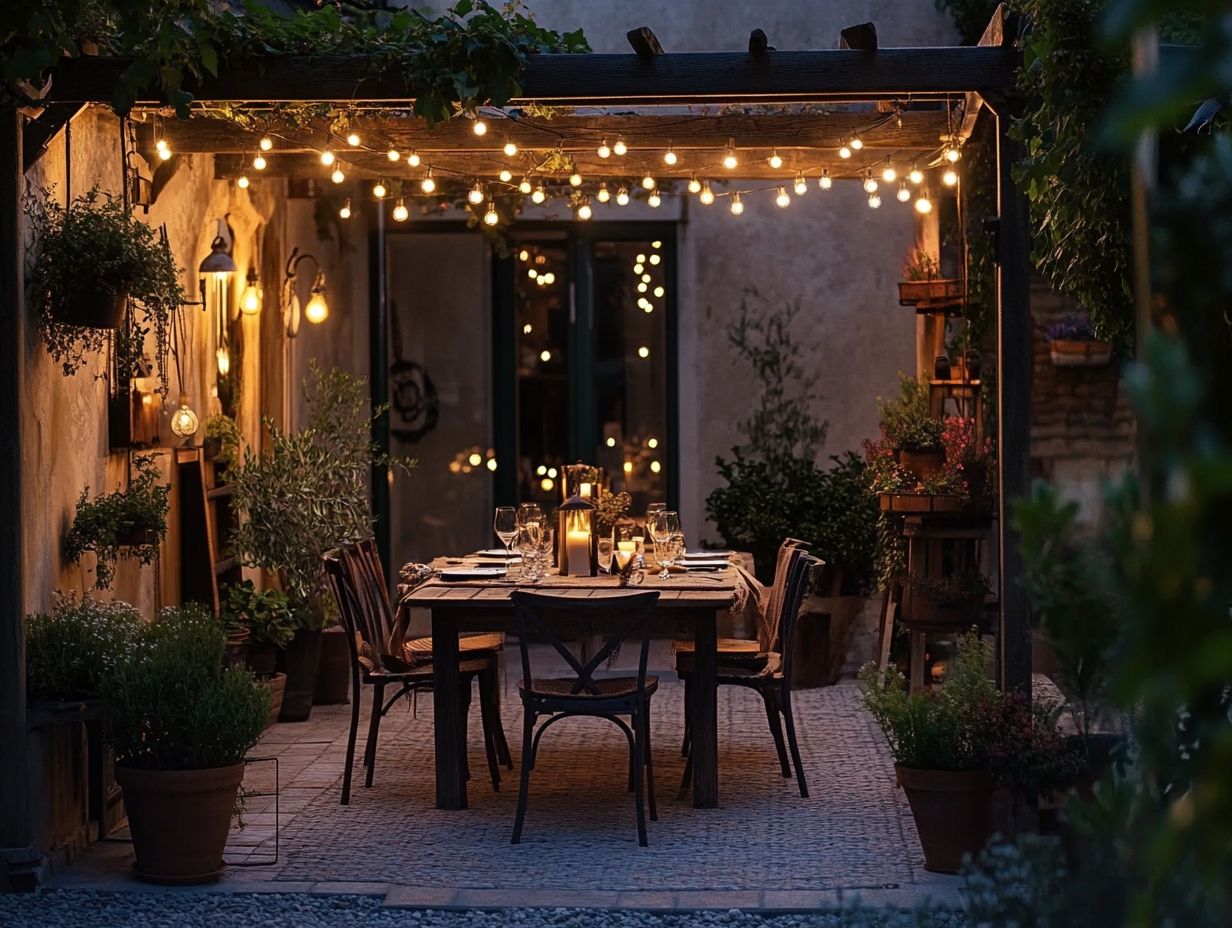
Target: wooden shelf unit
column 207, row 518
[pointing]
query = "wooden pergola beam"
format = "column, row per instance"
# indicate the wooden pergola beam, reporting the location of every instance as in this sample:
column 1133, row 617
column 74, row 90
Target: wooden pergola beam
column 577, row 80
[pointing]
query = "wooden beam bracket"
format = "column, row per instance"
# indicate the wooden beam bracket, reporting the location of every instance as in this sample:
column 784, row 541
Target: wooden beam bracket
column 861, row 37
column 644, row 42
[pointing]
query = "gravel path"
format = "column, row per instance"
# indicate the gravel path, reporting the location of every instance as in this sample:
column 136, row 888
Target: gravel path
column 196, row 909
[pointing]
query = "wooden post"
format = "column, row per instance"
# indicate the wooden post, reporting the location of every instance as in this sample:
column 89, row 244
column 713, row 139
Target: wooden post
column 1014, row 359
column 17, row 853
column 378, row 381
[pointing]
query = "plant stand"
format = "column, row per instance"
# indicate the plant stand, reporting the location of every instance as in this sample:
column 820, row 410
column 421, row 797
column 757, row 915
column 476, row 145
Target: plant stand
column 934, row 295
column 89, row 714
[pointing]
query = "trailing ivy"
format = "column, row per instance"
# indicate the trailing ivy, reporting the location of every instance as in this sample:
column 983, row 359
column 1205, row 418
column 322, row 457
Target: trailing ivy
column 471, row 55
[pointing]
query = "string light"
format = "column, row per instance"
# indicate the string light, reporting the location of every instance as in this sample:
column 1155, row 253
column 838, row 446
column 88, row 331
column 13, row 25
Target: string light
column 870, row 185
column 413, row 158
column 400, row 211
column 476, row 195
column 505, row 175
column 622, row 196
column 266, row 143
column 620, row 148
column 164, row 150
column 783, row 200
column 604, row 194
column 669, row 156
column 654, row 260
column 479, row 127
column 524, row 188
column 379, row 190
column 353, row 139
column 427, row 185
column 491, row 217
column 903, row 193
column 825, row 182
column 337, row 176
column 242, row 182
column 604, row 150
column 729, row 158
column 737, row 207
column 643, row 352
column 707, row 195
column 259, row 163
column 695, row 185
column 327, row 157
column 916, row 176
column 801, row 184
column 648, row 182
column 888, row 173
column 654, row 199
column 874, row 201
column 575, row 179
column 844, row 151
column 584, row 211
column 511, row 148
column 539, row 195
column 393, row 154
column 345, row 211
column 659, row 291
column 923, row 204
column 950, row 177
column 856, row 143
column 952, row 154
column 775, row 160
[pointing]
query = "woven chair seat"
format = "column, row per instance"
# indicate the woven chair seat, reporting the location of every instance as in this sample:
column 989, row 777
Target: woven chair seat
column 737, row 652
column 416, row 650
column 745, row 668
column 609, row 688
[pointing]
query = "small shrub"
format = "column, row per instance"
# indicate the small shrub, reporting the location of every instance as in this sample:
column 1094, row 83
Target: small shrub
column 907, row 421
column 267, row 613
column 72, row 649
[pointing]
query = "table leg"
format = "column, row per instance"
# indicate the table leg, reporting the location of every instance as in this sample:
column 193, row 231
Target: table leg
column 705, row 721
column 447, row 712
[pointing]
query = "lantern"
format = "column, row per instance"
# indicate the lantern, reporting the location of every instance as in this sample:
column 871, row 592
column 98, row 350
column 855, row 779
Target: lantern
column 576, row 552
column 580, row 480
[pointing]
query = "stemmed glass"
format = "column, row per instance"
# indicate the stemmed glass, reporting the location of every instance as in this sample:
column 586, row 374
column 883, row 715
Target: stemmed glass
column 545, row 548
column 663, row 525
column 505, row 524
column 528, row 546
column 652, row 509
column 529, row 512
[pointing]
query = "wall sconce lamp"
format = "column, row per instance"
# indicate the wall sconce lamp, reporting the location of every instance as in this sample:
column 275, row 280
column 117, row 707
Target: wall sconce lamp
column 317, row 309
column 218, row 267
column 250, row 302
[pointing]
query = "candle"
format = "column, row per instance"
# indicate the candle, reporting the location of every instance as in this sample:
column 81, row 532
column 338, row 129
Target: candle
column 630, row 546
column 577, row 553
column 584, row 490
column 624, row 555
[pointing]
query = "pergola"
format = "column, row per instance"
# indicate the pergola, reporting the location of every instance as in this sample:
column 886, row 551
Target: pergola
column 801, row 104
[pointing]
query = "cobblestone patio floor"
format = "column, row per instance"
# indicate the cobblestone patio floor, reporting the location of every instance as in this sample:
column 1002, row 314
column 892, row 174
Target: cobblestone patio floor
column 765, row 847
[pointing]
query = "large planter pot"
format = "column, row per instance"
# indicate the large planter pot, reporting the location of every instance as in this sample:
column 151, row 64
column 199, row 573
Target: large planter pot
column 179, row 821
column 923, row 464
column 952, row 811
column 333, row 669
column 90, row 310
column 299, row 663
column 276, row 683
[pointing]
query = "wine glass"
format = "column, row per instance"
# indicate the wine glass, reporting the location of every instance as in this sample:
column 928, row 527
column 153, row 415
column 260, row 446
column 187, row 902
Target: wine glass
column 605, row 552
column 529, row 512
column 663, row 525
column 527, row 544
column 545, row 548
column 673, row 550
column 505, row 524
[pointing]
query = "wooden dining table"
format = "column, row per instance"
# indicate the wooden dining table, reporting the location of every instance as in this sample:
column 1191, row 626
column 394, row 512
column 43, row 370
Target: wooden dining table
column 693, row 601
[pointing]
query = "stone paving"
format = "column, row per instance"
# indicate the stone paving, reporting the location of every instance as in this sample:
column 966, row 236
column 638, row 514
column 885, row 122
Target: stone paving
column 764, row 848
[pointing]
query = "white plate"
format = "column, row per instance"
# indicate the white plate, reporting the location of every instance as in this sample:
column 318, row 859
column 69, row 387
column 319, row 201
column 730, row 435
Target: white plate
column 697, row 564
column 707, row 555
column 500, row 553
column 473, row 573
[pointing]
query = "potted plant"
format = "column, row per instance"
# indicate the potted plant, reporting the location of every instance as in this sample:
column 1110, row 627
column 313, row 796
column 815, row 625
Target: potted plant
column 180, row 724
column 1072, row 343
column 955, row 745
column 306, row 493
column 72, row 648
column 128, row 523
column 333, row 664
column 265, row 615
column 908, row 425
column 955, row 599
column 923, row 286
column 222, row 440
column 91, row 259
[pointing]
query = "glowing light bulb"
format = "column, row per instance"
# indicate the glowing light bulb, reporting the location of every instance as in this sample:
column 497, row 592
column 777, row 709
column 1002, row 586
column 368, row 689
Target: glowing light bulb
column 479, row 127
column 393, row 154
column 916, row 176
column 222, row 357
column 652, row 443
column 575, row 179
column 952, row 154
column 903, row 193
column 491, row 465
column 620, row 149
column 379, row 190
column 648, row 182
column 317, row 310
column 856, row 143
column 344, row 211
column 844, row 151
column 639, row 268
column 545, row 356
column 874, row 201
column 729, row 158
column 825, row 182
column 669, row 156
column 622, row 197
column 539, row 195
column 801, row 184
column 525, row 188
column 242, row 182
column 527, row 329
column 783, row 200
column 604, row 194
column 923, row 204
column 164, row 153
column 775, row 160
column 505, row 176
column 327, row 157
column 353, row 139
column 475, row 196
column 889, row 174
column 695, row 185
column 250, row 301
column 549, row 278
column 655, row 467
column 400, row 211
column 337, row 176
column 259, row 163
column 584, row 211
column 184, row 421
column 737, row 207
column 611, row 442
column 511, row 148
column 427, row 185
column 659, row 291
column 870, row 185
column 643, row 352
column 413, row 158
column 523, row 255
column 491, row 217
column 627, row 467
column 707, row 195
column 655, row 259
column 950, row 177
column 604, row 150
column 654, row 200
column 266, row 143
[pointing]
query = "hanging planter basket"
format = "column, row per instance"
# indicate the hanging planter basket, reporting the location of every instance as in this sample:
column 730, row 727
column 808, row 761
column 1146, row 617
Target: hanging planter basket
column 90, row 310
column 1080, row 353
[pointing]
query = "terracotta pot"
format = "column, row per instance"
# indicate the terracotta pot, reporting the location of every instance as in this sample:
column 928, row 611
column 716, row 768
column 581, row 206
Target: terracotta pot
column 90, row 310
column 923, row 464
column 237, row 647
column 333, row 669
column 1074, row 353
column 179, row 821
column 276, row 683
column 952, row 811
column 299, row 663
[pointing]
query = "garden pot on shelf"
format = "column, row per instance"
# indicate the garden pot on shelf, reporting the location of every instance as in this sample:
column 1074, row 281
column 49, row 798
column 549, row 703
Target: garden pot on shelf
column 299, row 663
column 334, row 669
column 276, row 683
column 91, row 310
column 923, row 464
column 1079, row 353
column 922, row 608
column 179, row 821
column 952, row 811
column 211, row 449
column 136, row 537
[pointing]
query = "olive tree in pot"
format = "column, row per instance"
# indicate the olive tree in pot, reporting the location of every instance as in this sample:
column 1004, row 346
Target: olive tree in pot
column 180, row 723
column 955, row 747
column 306, row 493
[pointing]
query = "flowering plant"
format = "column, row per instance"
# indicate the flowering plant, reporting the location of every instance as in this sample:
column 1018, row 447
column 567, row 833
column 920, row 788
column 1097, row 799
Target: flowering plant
column 1072, row 329
column 967, row 460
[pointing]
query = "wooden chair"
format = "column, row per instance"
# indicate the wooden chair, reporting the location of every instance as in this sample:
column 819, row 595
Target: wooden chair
column 771, row 677
column 355, row 580
column 545, row 617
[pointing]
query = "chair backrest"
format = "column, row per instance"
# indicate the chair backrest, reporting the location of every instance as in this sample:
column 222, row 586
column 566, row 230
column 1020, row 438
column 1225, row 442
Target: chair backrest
column 802, row 571
column 356, row 581
column 768, row 630
column 547, row 617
